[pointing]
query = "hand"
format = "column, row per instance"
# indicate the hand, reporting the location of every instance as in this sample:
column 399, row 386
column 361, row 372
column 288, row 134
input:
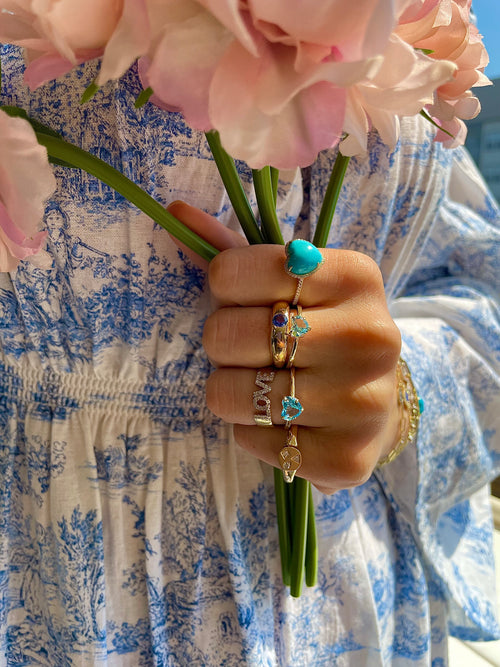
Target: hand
column 345, row 366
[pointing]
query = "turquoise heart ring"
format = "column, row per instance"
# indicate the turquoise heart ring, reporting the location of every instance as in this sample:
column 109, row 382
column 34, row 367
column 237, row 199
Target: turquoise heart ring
column 302, row 260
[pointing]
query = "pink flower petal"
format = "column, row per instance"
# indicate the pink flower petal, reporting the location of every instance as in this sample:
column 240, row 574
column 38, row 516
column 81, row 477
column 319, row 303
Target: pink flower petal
column 74, row 26
column 457, row 129
column 229, row 13
column 26, row 181
column 357, row 34
column 287, row 136
column 294, row 137
column 46, row 68
column 183, row 64
column 129, row 40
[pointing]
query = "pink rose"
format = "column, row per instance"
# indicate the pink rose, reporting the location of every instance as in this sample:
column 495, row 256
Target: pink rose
column 444, row 28
column 26, row 181
column 403, row 85
column 270, row 76
column 58, row 34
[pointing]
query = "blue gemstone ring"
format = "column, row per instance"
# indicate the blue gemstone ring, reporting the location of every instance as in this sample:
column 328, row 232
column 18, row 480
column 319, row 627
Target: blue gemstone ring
column 291, row 406
column 280, row 324
column 298, row 328
column 302, row 260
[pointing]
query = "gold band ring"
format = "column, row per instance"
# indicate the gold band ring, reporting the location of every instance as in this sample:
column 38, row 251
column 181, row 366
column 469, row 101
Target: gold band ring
column 280, row 323
column 290, row 457
column 298, row 328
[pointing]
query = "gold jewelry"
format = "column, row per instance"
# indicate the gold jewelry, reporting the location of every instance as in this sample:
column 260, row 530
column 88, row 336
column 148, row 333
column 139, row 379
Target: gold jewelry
column 261, row 402
column 280, row 323
column 298, row 328
column 290, row 457
column 291, row 406
column 410, row 408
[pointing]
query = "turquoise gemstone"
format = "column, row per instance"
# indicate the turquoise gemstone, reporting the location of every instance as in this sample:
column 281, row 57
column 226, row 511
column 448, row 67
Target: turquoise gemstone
column 303, row 258
column 291, row 408
column 420, row 405
column 299, row 326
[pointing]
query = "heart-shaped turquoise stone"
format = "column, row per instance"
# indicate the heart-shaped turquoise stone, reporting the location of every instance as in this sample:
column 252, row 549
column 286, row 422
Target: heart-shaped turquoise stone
column 303, row 258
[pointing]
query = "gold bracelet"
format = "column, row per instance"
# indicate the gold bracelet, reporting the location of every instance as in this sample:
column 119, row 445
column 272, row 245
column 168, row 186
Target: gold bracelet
column 410, row 407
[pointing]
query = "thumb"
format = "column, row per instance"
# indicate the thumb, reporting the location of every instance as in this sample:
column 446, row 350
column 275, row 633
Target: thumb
column 206, row 226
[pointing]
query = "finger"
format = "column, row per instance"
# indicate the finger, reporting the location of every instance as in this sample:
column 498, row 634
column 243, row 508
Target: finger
column 330, row 460
column 338, row 341
column 324, row 400
column 206, row 226
column 255, row 275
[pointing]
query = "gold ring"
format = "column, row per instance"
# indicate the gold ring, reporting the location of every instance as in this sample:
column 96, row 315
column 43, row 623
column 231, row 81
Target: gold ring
column 291, row 406
column 290, row 457
column 279, row 333
column 298, row 328
column 262, row 402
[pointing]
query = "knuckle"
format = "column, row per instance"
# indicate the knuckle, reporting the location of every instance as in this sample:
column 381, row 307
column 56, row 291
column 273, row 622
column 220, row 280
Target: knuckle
column 218, row 335
column 209, row 336
column 212, row 393
column 373, row 402
column 221, row 273
column 362, row 271
column 380, row 339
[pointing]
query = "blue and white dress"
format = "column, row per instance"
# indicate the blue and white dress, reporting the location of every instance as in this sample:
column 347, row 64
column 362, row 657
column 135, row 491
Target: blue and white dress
column 133, row 531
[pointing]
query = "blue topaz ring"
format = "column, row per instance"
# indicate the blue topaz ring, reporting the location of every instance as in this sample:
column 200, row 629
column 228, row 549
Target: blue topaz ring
column 291, row 406
column 302, row 260
column 279, row 333
column 261, row 401
column 298, row 328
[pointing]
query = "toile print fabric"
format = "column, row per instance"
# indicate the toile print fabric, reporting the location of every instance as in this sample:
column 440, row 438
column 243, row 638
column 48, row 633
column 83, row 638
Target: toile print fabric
column 133, row 530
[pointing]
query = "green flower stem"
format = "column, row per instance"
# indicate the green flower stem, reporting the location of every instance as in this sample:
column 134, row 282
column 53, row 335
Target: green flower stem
column 267, row 206
column 312, row 544
column 330, row 201
column 227, row 170
column 299, row 538
column 275, row 176
column 143, row 97
column 431, row 120
column 283, row 516
column 59, row 149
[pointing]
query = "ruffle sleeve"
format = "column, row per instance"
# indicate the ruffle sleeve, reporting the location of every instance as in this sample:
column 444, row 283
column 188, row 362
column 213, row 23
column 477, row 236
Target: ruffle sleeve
column 449, row 319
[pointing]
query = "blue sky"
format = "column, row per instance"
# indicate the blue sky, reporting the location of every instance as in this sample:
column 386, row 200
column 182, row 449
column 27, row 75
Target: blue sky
column 488, row 23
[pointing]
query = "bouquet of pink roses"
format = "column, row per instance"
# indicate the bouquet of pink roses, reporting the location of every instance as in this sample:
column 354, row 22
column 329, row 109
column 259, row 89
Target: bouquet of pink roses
column 270, row 83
